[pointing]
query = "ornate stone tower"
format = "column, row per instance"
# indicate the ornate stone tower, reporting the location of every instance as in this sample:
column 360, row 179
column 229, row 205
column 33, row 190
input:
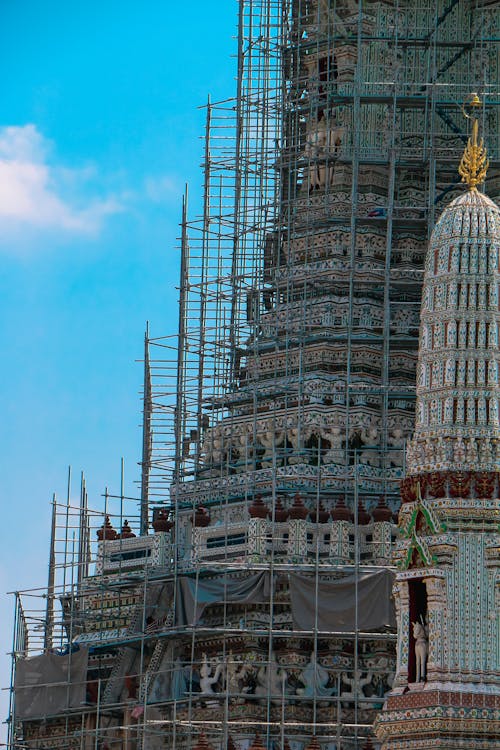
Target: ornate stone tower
column 447, row 686
column 257, row 593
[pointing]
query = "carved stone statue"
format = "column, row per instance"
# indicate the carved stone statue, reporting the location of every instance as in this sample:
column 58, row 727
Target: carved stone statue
column 235, row 676
column 179, row 682
column 207, row 680
column 293, row 436
column 486, row 453
column 323, row 142
column 472, row 453
column 315, row 679
column 271, row 679
column 357, row 684
column 270, row 440
column 459, row 451
column 421, row 650
column 369, row 437
column 396, row 440
column 428, row 451
column 441, row 451
column 336, row 453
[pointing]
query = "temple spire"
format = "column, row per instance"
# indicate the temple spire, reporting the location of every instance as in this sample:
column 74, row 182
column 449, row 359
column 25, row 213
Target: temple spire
column 474, row 163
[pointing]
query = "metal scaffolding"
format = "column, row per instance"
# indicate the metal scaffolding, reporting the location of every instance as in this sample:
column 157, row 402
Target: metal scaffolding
column 275, row 420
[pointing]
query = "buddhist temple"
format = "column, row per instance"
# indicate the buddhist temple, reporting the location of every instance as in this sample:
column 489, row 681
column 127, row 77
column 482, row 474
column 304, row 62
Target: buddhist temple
column 311, row 560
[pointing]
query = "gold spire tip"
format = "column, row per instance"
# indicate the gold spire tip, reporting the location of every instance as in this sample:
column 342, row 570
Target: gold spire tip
column 474, row 163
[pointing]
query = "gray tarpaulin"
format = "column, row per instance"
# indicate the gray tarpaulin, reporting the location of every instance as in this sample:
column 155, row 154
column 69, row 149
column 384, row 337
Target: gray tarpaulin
column 48, row 684
column 155, row 607
column 335, row 602
column 193, row 595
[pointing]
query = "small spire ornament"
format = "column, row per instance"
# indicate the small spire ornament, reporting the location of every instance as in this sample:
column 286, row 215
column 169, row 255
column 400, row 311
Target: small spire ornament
column 474, row 163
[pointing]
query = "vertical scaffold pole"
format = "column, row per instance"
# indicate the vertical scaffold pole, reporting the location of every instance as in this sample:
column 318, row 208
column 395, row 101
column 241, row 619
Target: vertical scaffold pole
column 49, row 610
column 146, row 438
column 203, row 285
column 235, row 281
column 181, row 354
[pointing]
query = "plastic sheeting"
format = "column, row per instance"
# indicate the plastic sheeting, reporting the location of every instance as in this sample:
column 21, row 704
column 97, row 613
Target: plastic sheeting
column 193, row 595
column 330, row 606
column 49, row 684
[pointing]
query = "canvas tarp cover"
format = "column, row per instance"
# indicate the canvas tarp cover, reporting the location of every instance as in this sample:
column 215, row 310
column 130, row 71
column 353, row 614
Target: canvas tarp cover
column 331, row 606
column 193, row 595
column 334, row 602
column 48, row 684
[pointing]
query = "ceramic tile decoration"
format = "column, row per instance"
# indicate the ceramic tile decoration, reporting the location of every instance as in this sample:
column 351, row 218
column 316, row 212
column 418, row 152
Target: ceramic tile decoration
column 447, row 687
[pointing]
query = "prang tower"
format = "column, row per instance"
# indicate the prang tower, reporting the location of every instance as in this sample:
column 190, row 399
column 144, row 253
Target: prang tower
column 248, row 592
column 446, row 692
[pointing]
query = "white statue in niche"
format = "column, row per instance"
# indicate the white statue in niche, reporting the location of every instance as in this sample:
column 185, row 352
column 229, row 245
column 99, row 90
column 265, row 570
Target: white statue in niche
column 207, row 680
column 271, row 680
column 421, row 650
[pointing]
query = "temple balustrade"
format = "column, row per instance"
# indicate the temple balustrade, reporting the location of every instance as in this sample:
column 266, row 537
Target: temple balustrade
column 295, row 541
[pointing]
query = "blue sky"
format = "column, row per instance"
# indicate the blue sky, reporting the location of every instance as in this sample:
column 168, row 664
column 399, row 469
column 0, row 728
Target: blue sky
column 99, row 130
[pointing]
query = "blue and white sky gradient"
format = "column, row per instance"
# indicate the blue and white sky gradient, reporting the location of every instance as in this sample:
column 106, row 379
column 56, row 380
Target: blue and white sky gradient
column 99, row 131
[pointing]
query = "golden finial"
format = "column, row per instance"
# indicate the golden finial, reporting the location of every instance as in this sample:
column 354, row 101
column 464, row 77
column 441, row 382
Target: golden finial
column 474, row 163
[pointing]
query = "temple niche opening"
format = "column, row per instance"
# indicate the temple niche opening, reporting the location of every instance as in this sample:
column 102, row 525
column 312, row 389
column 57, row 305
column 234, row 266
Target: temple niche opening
column 418, row 627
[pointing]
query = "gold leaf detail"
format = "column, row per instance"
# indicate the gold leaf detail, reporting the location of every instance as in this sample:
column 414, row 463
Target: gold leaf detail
column 474, row 164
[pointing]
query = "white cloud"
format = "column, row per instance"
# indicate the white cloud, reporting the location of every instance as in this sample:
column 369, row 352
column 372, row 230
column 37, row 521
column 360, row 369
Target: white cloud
column 164, row 188
column 36, row 193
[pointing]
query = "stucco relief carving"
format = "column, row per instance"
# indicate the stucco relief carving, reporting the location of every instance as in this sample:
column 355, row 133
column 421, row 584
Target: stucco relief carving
column 321, row 436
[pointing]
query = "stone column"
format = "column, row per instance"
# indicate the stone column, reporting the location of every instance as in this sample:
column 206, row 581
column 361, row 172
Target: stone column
column 436, row 618
column 382, row 542
column 339, row 541
column 402, row 602
column 297, row 539
column 197, row 542
column 257, row 538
